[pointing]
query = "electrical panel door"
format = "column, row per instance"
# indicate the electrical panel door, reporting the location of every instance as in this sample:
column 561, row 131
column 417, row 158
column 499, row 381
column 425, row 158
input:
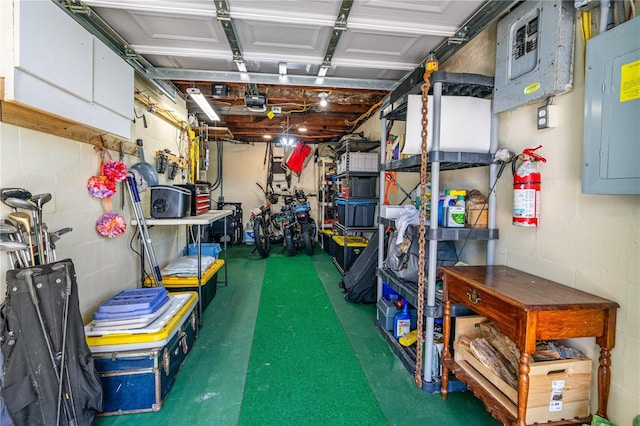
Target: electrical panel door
column 534, row 53
column 611, row 154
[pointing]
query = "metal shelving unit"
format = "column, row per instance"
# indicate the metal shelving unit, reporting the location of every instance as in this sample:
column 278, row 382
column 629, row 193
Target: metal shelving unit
column 347, row 147
column 325, row 195
column 395, row 108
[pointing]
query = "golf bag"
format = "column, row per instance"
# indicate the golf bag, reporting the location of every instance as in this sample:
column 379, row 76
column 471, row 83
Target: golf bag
column 49, row 374
column 360, row 282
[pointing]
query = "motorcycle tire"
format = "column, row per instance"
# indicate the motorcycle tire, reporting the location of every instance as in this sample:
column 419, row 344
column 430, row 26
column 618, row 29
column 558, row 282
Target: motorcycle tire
column 289, row 243
column 261, row 237
column 306, row 235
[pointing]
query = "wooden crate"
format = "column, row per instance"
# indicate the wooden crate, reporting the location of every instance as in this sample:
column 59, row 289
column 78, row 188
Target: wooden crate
column 557, row 389
column 476, row 216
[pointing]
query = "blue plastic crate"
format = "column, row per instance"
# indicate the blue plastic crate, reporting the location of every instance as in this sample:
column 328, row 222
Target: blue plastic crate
column 207, row 249
column 131, row 303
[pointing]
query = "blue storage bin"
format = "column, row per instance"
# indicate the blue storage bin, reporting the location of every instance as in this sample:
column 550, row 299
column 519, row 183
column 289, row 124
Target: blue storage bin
column 132, row 303
column 208, row 249
column 356, row 212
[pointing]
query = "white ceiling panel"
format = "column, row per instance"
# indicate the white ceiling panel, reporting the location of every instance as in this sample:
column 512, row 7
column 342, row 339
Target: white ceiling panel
column 443, row 14
column 277, row 38
column 366, row 47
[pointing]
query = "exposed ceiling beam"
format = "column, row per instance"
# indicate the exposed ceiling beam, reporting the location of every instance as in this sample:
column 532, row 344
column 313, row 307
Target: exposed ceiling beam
column 259, row 78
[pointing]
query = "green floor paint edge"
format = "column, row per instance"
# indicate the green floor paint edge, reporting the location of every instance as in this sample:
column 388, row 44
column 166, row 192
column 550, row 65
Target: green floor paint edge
column 302, row 369
column 398, row 396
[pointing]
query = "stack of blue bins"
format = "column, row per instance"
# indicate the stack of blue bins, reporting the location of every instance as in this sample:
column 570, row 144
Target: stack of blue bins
column 129, row 305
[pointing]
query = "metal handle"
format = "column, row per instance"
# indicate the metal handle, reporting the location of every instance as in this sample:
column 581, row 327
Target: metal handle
column 166, row 358
column 474, row 296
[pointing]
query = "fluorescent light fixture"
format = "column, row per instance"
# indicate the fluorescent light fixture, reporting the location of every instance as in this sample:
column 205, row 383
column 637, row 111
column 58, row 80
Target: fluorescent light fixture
column 323, row 71
column 266, row 137
column 241, row 66
column 282, row 68
column 302, row 127
column 323, row 99
column 205, row 106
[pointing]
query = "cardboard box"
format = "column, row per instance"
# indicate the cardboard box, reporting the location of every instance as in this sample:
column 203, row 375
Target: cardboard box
column 557, row 389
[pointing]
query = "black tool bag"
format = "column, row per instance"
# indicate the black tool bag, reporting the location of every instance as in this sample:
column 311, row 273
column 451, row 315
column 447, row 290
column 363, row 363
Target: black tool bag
column 360, row 282
column 31, row 338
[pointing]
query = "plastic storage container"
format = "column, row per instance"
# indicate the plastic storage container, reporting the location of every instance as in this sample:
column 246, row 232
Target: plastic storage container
column 348, row 248
column 209, row 282
column 362, row 186
column 356, row 212
column 207, row 249
column 358, row 162
column 327, row 241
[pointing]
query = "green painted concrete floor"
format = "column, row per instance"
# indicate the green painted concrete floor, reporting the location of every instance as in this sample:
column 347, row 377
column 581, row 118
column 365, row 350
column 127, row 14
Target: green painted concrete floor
column 209, row 388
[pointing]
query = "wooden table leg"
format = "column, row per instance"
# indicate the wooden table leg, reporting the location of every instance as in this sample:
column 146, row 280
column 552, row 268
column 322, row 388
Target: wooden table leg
column 523, row 389
column 607, row 342
column 604, row 381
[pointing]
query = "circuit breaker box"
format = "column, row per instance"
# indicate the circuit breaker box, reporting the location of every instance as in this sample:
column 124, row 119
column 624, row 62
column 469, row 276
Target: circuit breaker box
column 534, row 53
column 611, row 154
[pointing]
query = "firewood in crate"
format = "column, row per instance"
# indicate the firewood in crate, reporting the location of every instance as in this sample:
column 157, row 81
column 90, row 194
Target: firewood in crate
column 494, row 360
column 502, row 343
column 552, row 350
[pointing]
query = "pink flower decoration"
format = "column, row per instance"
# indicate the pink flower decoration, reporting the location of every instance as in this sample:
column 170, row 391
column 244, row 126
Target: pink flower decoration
column 111, row 225
column 101, row 186
column 115, row 170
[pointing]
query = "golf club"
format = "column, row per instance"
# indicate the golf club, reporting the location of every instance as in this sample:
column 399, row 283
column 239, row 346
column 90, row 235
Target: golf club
column 12, row 247
column 39, row 200
column 53, row 238
column 27, row 276
column 24, row 220
column 17, row 236
column 65, row 321
column 19, row 203
column 14, row 193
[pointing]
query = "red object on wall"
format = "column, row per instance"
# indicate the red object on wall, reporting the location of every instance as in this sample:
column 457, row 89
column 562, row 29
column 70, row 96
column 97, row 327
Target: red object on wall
column 298, row 158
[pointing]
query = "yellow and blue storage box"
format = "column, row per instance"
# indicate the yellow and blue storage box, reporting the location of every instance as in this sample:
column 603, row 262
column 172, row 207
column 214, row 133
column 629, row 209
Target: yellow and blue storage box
column 347, row 248
column 138, row 367
column 209, row 282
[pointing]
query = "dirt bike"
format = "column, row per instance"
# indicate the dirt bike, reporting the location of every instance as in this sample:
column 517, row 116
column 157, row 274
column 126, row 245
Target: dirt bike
column 298, row 226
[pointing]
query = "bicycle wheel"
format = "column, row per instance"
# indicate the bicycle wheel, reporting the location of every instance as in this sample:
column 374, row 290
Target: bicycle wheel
column 288, row 241
column 306, row 235
column 261, row 237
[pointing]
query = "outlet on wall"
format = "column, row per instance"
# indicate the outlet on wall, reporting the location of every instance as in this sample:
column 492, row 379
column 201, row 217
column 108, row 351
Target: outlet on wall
column 547, row 116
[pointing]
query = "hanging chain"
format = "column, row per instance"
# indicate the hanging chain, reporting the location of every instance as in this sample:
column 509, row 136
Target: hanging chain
column 422, row 232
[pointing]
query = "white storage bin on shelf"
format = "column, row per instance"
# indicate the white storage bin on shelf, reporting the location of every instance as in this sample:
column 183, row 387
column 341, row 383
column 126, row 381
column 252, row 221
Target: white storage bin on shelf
column 358, row 162
column 465, row 124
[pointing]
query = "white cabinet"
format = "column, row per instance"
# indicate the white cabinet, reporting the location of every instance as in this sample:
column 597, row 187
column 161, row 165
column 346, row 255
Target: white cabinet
column 60, row 68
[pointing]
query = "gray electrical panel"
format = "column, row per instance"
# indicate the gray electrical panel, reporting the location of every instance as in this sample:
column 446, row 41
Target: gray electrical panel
column 611, row 154
column 534, row 53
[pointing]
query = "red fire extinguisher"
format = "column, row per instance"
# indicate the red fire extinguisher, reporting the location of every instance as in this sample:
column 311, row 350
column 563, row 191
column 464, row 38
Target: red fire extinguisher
column 526, row 189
